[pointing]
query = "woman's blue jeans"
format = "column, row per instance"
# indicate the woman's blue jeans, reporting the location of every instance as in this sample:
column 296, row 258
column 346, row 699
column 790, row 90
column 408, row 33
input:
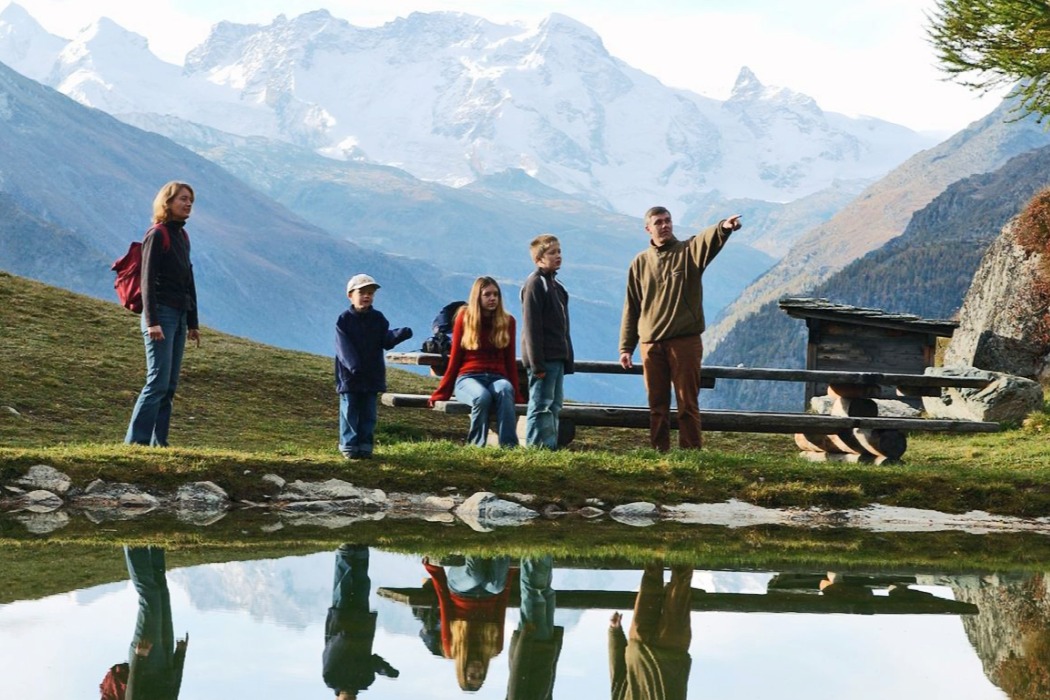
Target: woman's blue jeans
column 151, row 416
column 148, row 572
column 483, row 392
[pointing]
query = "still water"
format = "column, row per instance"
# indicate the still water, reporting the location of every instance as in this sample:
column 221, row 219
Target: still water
column 398, row 626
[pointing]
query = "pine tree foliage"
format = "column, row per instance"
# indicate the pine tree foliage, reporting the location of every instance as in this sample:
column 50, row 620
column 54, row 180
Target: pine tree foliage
column 985, row 44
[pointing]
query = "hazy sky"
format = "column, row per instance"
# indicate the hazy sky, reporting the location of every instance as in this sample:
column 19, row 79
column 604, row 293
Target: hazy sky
column 862, row 57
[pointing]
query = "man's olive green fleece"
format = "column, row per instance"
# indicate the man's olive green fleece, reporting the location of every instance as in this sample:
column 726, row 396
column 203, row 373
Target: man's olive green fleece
column 665, row 296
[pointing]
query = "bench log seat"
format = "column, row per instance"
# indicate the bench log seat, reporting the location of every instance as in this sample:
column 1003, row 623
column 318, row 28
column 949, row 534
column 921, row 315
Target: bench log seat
column 917, row 603
column 854, row 428
column 880, row 437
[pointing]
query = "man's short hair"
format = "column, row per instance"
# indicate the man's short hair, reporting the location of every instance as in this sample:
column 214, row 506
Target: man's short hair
column 541, row 244
column 655, row 211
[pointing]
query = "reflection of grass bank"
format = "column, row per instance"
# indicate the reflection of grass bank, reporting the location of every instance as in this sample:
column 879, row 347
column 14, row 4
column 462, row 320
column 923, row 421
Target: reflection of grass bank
column 31, row 568
column 71, row 367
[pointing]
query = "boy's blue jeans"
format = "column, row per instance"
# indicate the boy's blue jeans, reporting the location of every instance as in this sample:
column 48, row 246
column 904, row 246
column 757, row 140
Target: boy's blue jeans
column 482, row 392
column 151, row 416
column 546, row 397
column 357, row 422
column 351, row 586
column 536, row 612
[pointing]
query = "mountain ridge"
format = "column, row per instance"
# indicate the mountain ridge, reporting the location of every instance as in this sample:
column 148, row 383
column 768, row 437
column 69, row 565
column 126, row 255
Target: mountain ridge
column 463, row 97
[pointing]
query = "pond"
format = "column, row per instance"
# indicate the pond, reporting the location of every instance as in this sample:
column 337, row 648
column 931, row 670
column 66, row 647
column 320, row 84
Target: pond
column 399, row 625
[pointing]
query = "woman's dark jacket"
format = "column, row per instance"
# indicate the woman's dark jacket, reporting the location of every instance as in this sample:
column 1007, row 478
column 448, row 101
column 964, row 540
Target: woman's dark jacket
column 167, row 275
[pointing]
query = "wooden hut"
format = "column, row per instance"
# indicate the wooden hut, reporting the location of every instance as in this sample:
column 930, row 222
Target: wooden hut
column 857, row 339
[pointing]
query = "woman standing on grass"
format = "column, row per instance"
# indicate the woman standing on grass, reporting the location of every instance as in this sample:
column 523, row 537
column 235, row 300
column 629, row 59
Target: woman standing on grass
column 482, row 367
column 169, row 313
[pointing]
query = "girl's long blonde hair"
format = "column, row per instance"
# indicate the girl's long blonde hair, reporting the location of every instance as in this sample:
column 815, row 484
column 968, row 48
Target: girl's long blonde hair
column 474, row 642
column 472, row 316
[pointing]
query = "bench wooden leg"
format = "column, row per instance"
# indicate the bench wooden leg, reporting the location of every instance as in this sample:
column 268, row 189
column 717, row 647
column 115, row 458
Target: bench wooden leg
column 890, row 444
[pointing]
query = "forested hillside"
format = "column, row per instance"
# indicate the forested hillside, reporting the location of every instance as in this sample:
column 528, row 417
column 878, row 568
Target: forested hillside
column 926, row 271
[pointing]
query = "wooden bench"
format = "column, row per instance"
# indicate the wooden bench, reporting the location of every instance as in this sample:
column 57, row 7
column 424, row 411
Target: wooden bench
column 774, row 601
column 854, row 428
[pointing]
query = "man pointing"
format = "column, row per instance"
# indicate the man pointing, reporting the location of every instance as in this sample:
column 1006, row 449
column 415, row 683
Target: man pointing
column 664, row 312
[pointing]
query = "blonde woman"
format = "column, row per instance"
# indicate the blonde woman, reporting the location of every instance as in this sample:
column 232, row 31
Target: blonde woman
column 472, row 600
column 482, row 368
column 169, row 312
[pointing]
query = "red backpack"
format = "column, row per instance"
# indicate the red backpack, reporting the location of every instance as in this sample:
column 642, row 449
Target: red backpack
column 129, row 271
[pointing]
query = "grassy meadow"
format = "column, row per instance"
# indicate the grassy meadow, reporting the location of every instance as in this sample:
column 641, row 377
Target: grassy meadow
column 71, row 367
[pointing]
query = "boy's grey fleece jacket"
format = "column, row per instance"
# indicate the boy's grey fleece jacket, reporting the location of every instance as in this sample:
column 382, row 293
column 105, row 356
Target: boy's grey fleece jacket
column 545, row 321
column 360, row 341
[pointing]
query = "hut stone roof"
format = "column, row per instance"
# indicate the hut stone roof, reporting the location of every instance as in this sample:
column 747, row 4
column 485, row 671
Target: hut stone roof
column 810, row 307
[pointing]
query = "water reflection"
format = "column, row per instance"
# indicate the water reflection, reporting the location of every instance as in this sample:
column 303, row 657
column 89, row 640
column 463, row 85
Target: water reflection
column 653, row 661
column 536, row 644
column 155, row 660
column 349, row 666
column 349, row 623
column 472, row 601
column 1011, row 631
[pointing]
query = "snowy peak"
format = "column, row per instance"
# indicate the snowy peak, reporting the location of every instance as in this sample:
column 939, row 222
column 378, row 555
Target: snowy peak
column 569, row 29
column 105, row 63
column 25, row 45
column 747, row 86
column 749, row 90
column 220, row 47
column 105, row 45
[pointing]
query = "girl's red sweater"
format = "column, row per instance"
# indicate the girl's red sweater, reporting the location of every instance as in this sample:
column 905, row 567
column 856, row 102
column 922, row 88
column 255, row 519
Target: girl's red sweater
column 487, row 359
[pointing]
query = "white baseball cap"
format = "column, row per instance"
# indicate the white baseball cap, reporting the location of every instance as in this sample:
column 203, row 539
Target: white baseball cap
column 360, row 281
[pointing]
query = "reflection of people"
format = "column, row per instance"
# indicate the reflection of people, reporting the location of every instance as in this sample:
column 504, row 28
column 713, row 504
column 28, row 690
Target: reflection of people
column 536, row 644
column 169, row 313
column 664, row 311
column 156, row 660
column 348, row 664
column 836, row 585
column 362, row 333
column 482, row 366
column 653, row 662
column 472, row 599
column 546, row 347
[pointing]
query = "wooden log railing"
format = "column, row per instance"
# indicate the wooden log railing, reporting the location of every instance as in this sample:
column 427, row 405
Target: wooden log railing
column 712, row 373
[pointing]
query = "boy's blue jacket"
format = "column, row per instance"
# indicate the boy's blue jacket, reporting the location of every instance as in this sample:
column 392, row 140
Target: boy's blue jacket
column 361, row 338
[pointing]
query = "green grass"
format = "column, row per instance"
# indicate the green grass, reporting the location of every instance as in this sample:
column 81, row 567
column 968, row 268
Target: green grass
column 71, row 366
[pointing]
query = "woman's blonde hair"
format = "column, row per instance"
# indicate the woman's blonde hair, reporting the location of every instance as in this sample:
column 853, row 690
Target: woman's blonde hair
column 162, row 202
column 472, row 315
column 474, row 641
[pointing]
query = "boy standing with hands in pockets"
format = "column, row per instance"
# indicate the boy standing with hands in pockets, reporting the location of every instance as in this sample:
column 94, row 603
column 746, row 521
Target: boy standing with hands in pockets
column 546, row 347
column 362, row 334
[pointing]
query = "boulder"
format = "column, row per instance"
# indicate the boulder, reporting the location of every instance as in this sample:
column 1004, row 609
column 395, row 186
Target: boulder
column 485, row 511
column 1002, row 323
column 1008, row 399
column 42, row 476
column 638, row 514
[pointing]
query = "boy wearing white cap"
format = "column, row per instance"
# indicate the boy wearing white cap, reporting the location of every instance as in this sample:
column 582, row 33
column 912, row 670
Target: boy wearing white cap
column 362, row 335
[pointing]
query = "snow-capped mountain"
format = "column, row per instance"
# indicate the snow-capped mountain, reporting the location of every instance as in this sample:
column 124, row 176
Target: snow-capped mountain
column 25, row 46
column 452, row 98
